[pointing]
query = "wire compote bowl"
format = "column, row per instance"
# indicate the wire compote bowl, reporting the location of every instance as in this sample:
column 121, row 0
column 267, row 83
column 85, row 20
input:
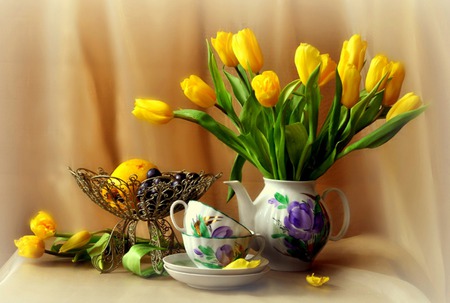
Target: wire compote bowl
column 133, row 201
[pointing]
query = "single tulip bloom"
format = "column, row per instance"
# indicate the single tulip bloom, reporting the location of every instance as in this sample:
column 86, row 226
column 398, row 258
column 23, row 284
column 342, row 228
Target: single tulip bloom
column 78, row 240
column 379, row 67
column 307, row 58
column 223, row 46
column 408, row 102
column 30, row 246
column 153, row 111
column 247, row 51
column 350, row 86
column 394, row 84
column 196, row 90
column 353, row 52
column 327, row 69
column 43, row 225
column 267, row 88
column 316, row 280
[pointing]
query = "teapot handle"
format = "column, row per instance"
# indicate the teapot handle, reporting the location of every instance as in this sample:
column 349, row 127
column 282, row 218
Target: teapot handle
column 346, row 220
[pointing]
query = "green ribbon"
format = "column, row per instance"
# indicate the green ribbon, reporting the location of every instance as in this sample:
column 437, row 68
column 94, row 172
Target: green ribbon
column 132, row 260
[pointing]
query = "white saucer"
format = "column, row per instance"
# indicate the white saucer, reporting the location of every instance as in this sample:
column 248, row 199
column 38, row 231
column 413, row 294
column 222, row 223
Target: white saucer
column 215, row 282
column 181, row 262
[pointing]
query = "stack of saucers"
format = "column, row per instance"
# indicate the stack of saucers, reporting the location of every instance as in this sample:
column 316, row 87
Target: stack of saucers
column 182, row 268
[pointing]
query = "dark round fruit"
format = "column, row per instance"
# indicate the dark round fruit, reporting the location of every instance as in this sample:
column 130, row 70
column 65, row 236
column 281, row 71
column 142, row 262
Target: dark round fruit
column 153, row 172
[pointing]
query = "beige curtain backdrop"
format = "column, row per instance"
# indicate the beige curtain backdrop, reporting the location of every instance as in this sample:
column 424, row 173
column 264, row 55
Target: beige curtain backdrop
column 70, row 71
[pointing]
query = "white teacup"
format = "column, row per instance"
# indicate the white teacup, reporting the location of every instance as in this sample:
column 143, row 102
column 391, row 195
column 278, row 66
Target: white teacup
column 216, row 253
column 202, row 220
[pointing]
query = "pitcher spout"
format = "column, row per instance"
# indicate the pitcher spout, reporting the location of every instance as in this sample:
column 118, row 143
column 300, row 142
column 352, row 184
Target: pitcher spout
column 246, row 207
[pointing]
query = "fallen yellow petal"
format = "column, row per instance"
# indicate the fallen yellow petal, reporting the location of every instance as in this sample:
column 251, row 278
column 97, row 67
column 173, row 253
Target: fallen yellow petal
column 242, row 263
column 316, row 280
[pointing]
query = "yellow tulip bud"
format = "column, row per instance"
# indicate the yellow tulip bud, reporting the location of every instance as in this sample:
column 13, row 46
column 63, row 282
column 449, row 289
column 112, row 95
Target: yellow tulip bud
column 78, row 240
column 198, row 91
column 316, row 280
column 307, row 58
column 43, row 225
column 247, row 50
column 153, row 111
column 30, row 246
column 394, row 84
column 327, row 69
column 350, row 86
column 353, row 52
column 267, row 88
column 379, row 67
column 408, row 102
column 222, row 45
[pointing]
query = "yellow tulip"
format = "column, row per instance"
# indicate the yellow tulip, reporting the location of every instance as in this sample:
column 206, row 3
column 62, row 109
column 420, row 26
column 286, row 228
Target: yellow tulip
column 379, row 67
column 267, row 88
column 408, row 102
column 78, row 240
column 153, row 111
column 327, row 69
column 247, row 50
column 394, row 84
column 307, row 58
column 222, row 45
column 30, row 246
column 350, row 86
column 198, row 91
column 316, row 280
column 43, row 225
column 353, row 52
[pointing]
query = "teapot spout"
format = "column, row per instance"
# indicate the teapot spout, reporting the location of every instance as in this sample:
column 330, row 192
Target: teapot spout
column 245, row 205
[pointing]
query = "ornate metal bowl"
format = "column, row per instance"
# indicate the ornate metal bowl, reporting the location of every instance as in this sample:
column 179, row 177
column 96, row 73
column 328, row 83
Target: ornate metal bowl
column 135, row 201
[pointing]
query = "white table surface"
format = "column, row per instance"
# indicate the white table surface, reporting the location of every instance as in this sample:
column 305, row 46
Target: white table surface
column 51, row 279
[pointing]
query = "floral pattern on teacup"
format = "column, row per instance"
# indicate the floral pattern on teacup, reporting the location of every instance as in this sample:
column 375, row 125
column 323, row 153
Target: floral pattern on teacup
column 202, row 227
column 220, row 258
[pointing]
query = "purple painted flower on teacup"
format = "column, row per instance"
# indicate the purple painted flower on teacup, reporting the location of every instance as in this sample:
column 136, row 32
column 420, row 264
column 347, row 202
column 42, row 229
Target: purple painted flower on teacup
column 224, row 255
column 301, row 223
column 222, row 232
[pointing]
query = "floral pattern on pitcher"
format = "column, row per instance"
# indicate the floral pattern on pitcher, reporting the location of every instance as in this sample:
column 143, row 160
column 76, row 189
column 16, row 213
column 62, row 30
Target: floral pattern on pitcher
column 220, row 258
column 202, row 228
column 303, row 230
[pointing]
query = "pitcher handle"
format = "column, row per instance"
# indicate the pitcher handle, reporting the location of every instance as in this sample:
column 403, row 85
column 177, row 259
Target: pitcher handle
column 346, row 220
column 172, row 217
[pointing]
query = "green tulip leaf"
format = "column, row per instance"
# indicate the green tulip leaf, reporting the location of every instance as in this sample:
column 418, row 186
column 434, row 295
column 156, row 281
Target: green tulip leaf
column 296, row 137
column 98, row 248
column 384, row 133
column 239, row 88
column 236, row 174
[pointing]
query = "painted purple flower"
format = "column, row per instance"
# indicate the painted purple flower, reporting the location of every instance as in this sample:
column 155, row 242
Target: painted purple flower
column 301, row 222
column 222, row 232
column 274, row 201
column 224, row 254
column 198, row 252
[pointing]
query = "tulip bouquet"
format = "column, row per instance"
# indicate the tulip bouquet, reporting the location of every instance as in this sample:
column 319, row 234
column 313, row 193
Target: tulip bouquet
column 277, row 129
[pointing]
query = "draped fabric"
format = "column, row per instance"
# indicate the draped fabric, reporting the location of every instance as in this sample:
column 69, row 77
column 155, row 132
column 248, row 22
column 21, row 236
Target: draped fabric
column 70, row 71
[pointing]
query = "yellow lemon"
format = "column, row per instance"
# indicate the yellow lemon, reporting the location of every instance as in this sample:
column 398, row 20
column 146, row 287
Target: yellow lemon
column 138, row 167
column 116, row 195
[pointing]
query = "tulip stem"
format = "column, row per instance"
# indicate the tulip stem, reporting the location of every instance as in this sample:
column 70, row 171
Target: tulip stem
column 58, row 254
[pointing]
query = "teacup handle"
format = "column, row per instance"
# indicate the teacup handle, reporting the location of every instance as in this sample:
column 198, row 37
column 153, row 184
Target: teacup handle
column 346, row 220
column 261, row 244
column 172, row 217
